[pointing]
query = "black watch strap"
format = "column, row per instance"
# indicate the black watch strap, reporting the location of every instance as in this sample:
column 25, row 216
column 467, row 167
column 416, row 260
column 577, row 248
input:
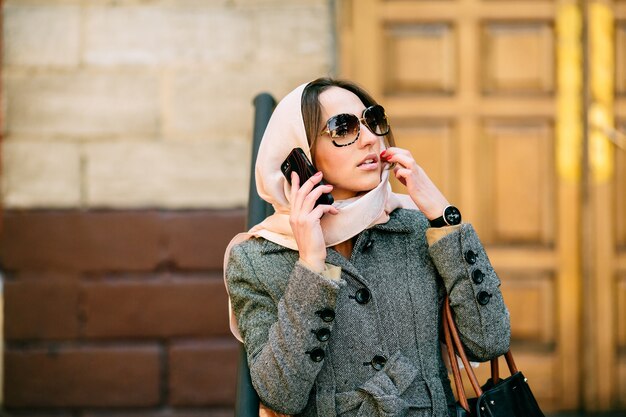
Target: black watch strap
column 451, row 216
column 438, row 222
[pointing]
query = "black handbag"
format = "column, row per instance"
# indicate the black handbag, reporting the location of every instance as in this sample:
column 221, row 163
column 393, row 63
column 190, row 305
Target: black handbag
column 509, row 397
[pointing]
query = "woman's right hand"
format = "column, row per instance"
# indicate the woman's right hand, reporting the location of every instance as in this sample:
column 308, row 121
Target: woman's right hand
column 305, row 219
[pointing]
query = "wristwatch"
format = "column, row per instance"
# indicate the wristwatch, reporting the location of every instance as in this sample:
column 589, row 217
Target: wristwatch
column 451, row 216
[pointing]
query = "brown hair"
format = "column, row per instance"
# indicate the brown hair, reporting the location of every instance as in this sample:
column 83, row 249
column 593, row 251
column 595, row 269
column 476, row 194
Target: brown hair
column 312, row 112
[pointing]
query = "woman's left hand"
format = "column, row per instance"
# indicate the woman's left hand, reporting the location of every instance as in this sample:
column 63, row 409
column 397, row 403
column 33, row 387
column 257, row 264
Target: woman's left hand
column 423, row 192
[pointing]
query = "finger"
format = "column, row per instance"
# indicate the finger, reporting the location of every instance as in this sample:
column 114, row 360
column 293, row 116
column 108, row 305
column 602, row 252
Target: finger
column 309, row 202
column 320, row 210
column 402, row 174
column 406, row 161
column 295, row 186
column 393, row 150
column 307, row 187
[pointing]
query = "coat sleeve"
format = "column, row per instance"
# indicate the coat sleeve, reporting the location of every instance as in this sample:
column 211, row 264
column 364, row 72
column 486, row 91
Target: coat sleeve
column 474, row 291
column 284, row 352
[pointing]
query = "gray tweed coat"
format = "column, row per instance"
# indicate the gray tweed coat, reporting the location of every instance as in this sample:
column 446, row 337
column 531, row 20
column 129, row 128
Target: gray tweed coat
column 367, row 344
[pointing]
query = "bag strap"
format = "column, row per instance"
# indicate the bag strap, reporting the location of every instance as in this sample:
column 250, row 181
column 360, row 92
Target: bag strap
column 458, row 382
column 455, row 347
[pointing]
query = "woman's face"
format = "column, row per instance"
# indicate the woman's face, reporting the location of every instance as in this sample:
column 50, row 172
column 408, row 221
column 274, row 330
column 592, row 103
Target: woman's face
column 344, row 167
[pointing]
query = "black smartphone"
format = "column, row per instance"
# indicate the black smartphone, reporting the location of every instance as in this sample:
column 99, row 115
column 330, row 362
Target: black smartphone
column 298, row 161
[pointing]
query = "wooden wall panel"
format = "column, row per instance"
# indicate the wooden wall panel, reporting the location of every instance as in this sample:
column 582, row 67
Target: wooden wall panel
column 433, row 145
column 419, row 57
column 529, row 298
column 518, row 57
column 521, row 181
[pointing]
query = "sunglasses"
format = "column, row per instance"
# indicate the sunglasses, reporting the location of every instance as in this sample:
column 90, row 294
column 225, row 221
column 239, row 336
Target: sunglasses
column 344, row 128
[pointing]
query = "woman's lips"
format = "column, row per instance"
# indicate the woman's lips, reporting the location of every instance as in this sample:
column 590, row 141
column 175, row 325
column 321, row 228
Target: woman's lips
column 368, row 166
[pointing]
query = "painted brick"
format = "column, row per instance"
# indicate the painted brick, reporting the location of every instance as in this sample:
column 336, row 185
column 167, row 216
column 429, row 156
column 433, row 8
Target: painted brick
column 43, row 308
column 198, row 239
column 194, row 174
column 21, row 413
column 276, row 4
column 194, row 368
column 161, row 308
column 217, row 103
column 76, row 377
column 298, row 37
column 117, row 240
column 203, row 412
column 41, row 35
column 40, row 174
column 161, row 34
column 82, row 104
column 84, row 241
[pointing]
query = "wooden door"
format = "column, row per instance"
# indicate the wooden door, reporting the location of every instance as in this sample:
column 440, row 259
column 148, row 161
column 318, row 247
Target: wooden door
column 473, row 89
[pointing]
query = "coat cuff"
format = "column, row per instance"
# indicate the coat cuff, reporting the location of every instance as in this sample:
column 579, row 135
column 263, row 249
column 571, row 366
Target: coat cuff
column 307, row 307
column 473, row 288
column 330, row 271
column 433, row 234
column 458, row 254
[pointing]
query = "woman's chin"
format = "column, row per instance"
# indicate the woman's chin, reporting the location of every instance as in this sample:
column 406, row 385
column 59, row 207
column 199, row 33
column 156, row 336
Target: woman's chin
column 366, row 188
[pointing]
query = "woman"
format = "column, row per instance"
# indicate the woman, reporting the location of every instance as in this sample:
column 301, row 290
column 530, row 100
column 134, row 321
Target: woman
column 339, row 306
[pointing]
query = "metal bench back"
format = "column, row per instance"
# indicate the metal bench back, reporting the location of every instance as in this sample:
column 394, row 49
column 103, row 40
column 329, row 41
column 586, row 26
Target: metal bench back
column 247, row 400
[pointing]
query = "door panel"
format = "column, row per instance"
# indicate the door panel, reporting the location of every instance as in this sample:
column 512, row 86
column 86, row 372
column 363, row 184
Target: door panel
column 420, row 58
column 518, row 57
column 521, row 182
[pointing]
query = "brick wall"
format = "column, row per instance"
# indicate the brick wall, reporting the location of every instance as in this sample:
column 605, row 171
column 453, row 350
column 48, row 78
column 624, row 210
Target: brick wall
column 114, row 112
column 146, row 103
column 117, row 313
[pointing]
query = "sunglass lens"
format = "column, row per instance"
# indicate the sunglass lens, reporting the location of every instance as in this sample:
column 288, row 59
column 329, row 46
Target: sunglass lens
column 376, row 120
column 343, row 128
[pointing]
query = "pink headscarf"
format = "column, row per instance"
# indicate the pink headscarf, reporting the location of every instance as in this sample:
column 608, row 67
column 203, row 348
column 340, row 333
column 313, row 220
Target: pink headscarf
column 284, row 132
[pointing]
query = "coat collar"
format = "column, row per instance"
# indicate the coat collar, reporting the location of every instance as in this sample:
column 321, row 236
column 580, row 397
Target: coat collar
column 400, row 221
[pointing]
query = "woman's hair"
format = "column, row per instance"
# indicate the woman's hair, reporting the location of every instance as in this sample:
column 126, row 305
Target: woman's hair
column 312, row 112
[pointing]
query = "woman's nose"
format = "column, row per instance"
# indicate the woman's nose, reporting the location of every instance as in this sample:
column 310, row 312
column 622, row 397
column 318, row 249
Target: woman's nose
column 366, row 137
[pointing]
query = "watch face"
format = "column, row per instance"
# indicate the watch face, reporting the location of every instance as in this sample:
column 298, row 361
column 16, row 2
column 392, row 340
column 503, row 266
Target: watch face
column 452, row 215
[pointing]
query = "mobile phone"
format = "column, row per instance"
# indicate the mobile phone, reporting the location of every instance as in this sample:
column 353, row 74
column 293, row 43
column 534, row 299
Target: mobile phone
column 298, row 161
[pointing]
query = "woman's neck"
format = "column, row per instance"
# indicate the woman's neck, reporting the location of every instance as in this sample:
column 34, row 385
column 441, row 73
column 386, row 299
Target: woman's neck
column 345, row 248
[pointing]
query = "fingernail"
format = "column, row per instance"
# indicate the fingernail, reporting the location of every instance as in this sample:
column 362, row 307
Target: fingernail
column 318, row 173
column 382, row 154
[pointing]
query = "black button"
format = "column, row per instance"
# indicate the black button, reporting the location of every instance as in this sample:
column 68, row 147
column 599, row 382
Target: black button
column 363, row 296
column 470, row 257
column 322, row 334
column 368, row 245
column 326, row 314
column 378, row 362
column 477, row 276
column 316, row 354
column 483, row 297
